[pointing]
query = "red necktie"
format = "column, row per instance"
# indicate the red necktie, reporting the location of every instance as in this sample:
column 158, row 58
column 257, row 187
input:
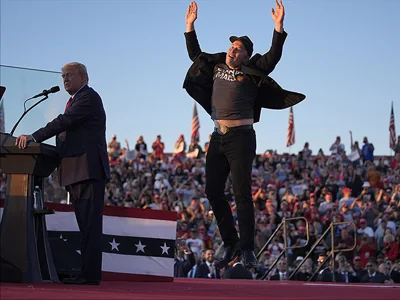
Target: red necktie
column 68, row 103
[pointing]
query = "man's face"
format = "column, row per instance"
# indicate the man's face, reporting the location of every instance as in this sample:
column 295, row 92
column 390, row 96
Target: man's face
column 357, row 263
column 209, row 255
column 282, row 267
column 370, row 267
column 383, row 224
column 73, row 80
column 384, row 268
column 236, row 55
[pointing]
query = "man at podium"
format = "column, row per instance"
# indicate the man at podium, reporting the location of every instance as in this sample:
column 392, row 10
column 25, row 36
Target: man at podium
column 84, row 169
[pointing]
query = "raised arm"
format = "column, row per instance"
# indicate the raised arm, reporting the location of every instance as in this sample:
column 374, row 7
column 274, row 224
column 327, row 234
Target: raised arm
column 269, row 60
column 192, row 44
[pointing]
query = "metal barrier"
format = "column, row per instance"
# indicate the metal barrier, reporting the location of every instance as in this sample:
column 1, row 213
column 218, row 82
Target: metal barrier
column 284, row 224
column 331, row 255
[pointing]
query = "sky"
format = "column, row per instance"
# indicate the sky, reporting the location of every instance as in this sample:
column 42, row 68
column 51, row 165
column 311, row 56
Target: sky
column 342, row 54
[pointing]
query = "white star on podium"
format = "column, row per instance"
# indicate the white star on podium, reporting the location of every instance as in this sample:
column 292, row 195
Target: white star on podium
column 164, row 249
column 140, row 247
column 114, row 245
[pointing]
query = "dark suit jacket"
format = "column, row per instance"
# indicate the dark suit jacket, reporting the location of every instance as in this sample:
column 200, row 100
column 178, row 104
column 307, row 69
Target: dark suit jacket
column 199, row 78
column 395, row 276
column 81, row 141
column 182, row 268
column 326, row 275
column 351, row 277
column 202, row 271
column 238, row 271
column 277, row 276
column 378, row 278
column 300, row 276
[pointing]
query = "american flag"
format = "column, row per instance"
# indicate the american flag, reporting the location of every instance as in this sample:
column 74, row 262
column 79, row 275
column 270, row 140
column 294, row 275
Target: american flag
column 195, row 125
column 137, row 244
column 392, row 130
column 290, row 137
column 2, row 119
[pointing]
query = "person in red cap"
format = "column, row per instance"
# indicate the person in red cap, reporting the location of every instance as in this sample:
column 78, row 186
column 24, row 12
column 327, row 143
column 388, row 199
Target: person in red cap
column 327, row 205
column 364, row 229
column 232, row 87
column 347, row 198
column 357, row 266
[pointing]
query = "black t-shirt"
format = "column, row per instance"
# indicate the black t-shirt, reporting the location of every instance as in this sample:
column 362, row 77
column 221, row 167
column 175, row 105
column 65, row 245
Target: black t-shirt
column 234, row 94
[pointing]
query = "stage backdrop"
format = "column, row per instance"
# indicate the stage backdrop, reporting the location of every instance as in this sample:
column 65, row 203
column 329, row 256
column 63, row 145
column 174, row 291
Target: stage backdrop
column 138, row 244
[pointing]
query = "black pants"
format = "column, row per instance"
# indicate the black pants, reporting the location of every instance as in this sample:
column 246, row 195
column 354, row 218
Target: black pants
column 235, row 152
column 88, row 200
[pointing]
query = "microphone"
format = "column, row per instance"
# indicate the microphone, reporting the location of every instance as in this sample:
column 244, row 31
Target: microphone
column 45, row 93
column 54, row 89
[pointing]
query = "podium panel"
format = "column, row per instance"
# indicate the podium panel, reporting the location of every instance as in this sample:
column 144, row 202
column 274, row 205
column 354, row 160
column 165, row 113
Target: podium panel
column 24, row 250
column 37, row 159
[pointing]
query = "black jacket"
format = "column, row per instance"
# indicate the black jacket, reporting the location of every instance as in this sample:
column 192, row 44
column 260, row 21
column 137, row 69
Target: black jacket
column 377, row 278
column 351, row 277
column 81, row 141
column 182, row 268
column 238, row 271
column 199, row 78
column 277, row 276
column 202, row 271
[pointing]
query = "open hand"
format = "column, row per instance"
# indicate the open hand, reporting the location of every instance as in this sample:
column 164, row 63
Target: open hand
column 191, row 14
column 23, row 140
column 278, row 14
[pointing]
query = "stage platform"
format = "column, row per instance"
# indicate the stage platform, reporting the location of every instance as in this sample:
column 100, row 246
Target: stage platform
column 196, row 289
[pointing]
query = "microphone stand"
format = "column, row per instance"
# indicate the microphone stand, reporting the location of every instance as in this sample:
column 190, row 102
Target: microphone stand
column 26, row 111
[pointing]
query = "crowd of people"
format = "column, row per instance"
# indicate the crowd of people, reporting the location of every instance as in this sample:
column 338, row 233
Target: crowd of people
column 356, row 188
column 353, row 187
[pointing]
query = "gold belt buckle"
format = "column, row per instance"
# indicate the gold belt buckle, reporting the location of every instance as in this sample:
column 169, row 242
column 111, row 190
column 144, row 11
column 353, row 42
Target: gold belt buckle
column 224, row 129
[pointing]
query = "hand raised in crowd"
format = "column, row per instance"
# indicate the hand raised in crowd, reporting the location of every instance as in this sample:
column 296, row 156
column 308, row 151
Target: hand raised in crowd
column 186, row 250
column 191, row 14
column 278, row 14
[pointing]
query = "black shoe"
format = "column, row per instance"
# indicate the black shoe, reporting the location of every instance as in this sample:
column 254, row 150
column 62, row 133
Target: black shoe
column 80, row 280
column 231, row 252
column 249, row 259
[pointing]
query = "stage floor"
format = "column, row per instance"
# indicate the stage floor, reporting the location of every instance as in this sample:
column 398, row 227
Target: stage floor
column 196, row 289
